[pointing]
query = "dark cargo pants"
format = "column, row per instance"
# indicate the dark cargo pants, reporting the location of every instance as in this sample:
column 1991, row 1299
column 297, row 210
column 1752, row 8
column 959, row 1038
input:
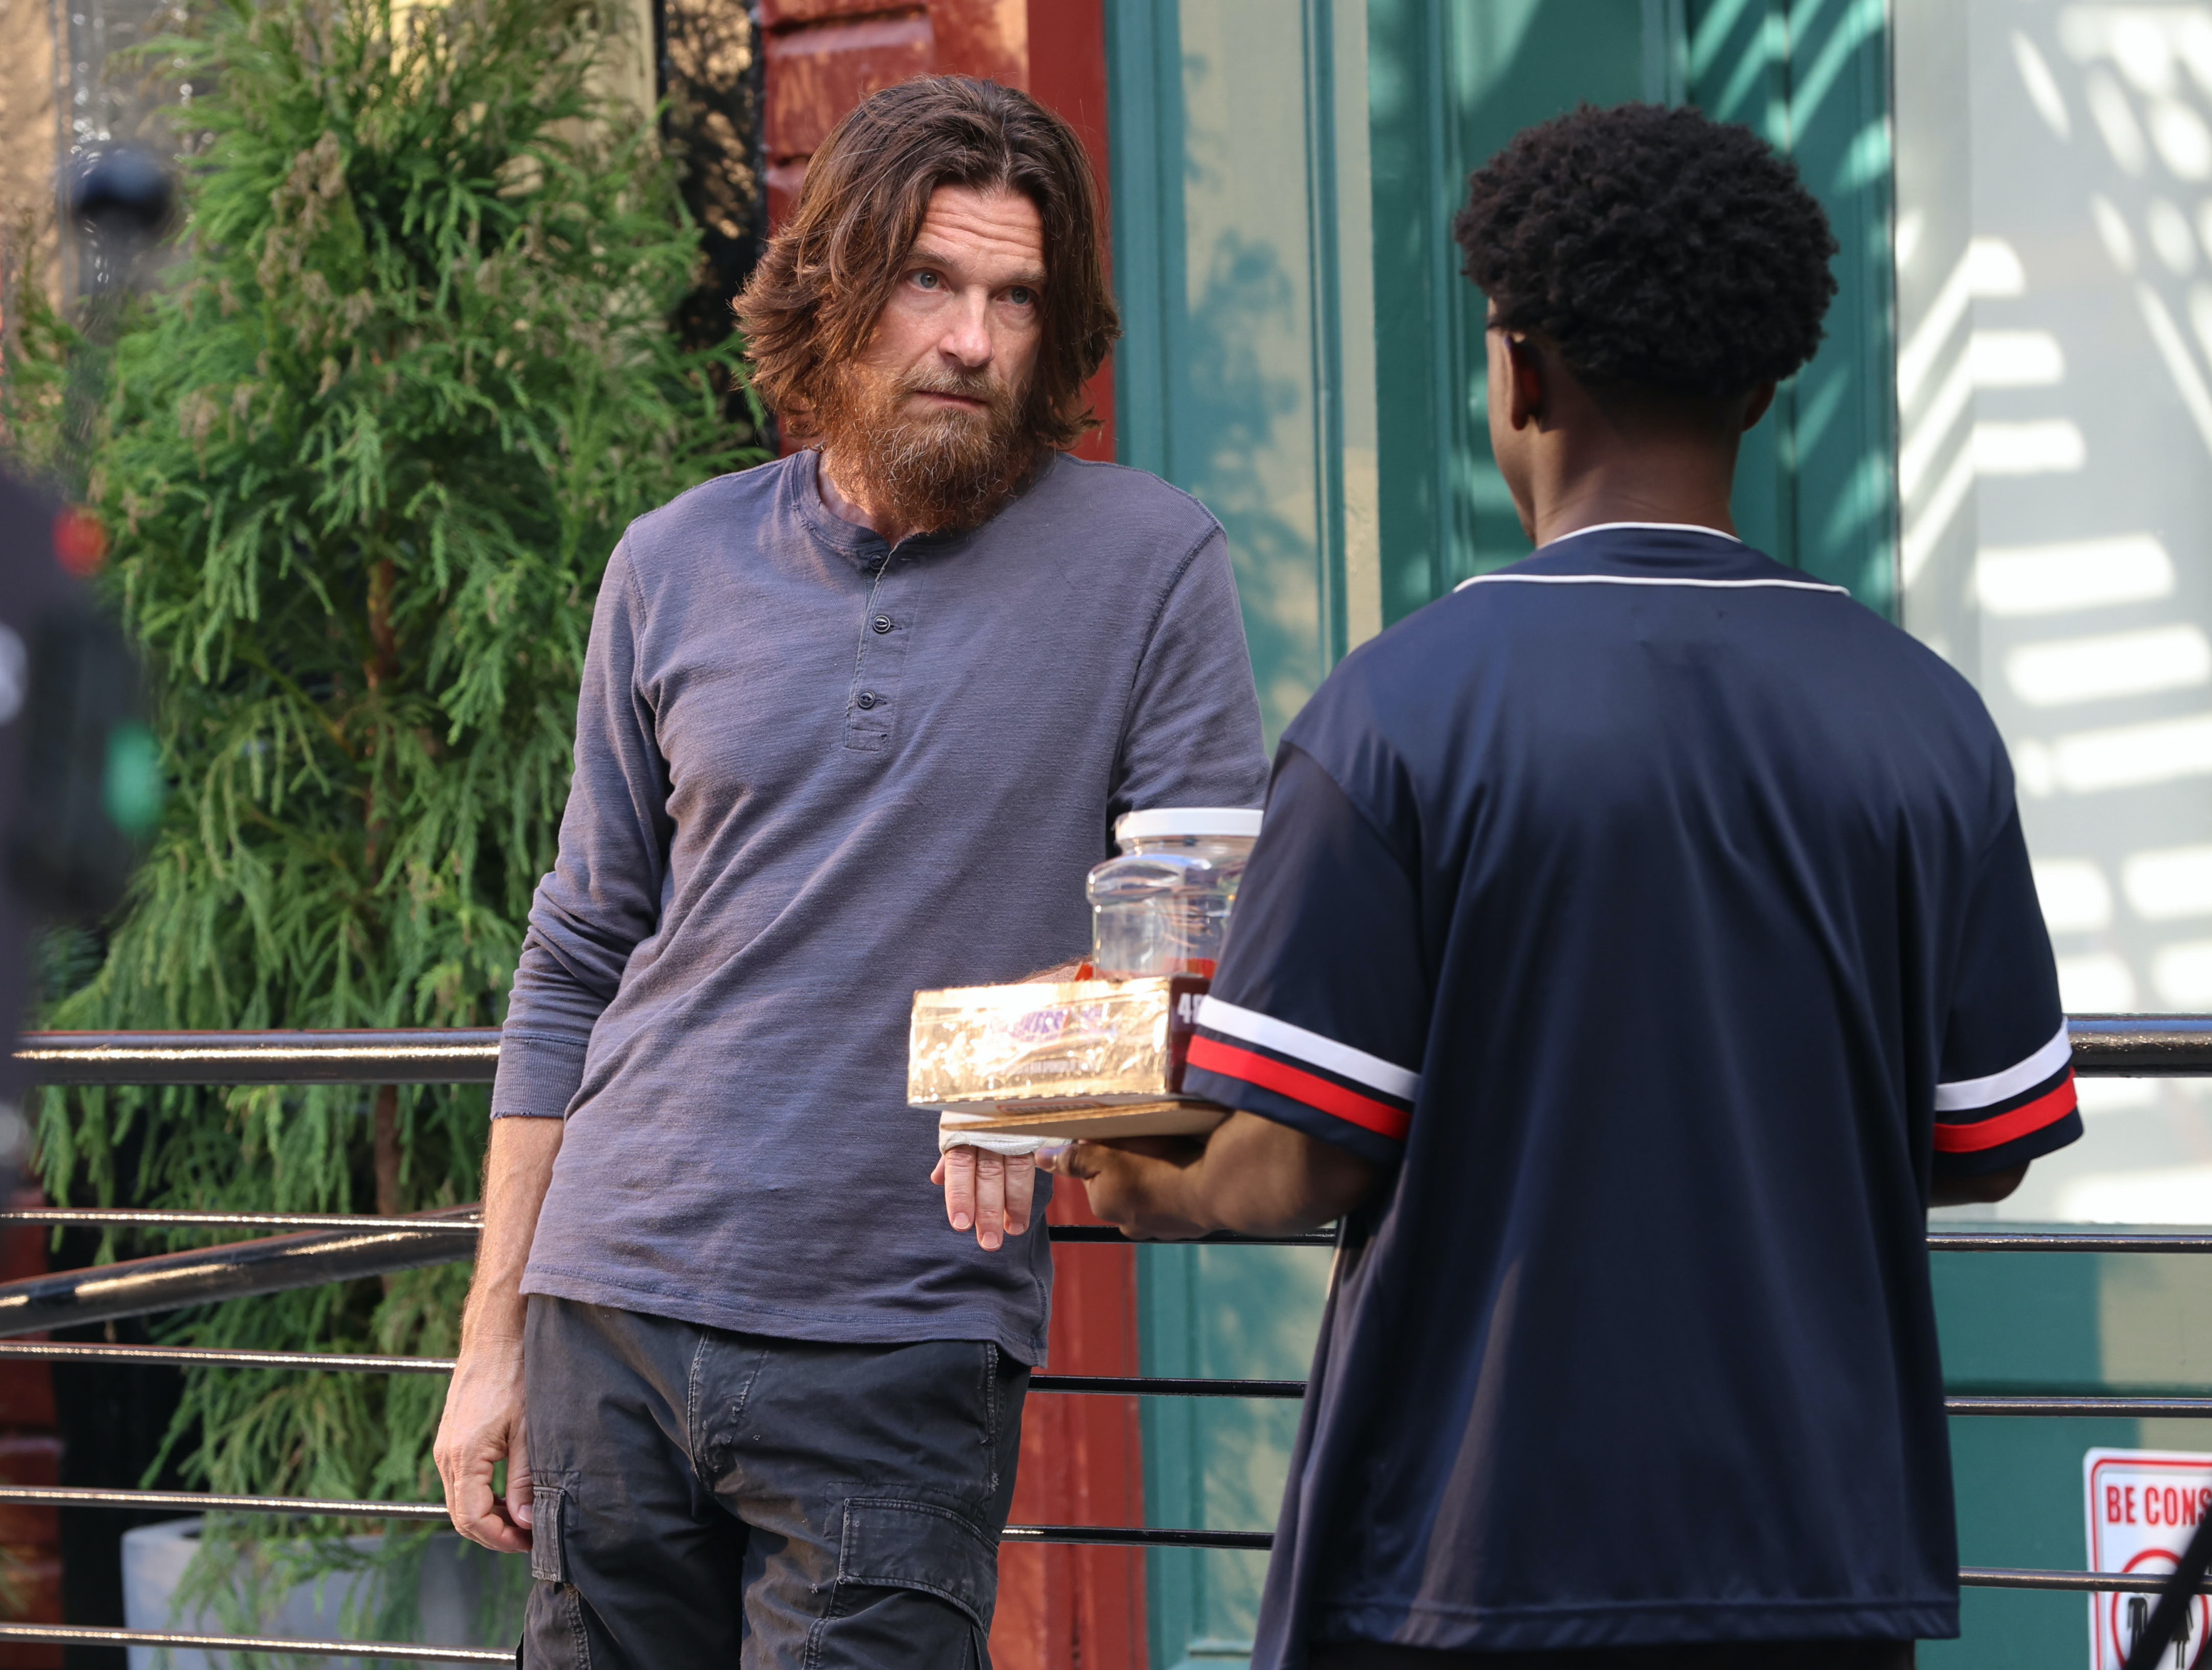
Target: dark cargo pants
column 708, row 1500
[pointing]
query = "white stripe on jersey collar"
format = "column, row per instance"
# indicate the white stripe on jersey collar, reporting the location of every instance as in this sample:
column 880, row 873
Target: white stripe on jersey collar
column 1643, row 579
column 1965, row 1093
column 1647, row 579
column 1671, row 527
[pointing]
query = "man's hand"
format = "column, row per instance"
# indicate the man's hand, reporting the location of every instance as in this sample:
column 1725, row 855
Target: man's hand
column 1251, row 1175
column 483, row 1425
column 990, row 1191
column 485, row 1422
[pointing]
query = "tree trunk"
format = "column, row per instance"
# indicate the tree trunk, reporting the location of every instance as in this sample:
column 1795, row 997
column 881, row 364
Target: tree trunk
column 385, row 1127
column 380, row 667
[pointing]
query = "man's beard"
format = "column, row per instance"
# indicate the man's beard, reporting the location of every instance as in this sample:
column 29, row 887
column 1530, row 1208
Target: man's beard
column 926, row 469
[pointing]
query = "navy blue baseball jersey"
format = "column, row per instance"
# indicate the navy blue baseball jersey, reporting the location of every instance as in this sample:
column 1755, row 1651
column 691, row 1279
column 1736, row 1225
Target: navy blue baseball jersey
column 1659, row 921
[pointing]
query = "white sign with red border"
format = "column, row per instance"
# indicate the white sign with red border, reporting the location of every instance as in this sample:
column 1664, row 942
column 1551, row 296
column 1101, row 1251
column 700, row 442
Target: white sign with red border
column 2143, row 1504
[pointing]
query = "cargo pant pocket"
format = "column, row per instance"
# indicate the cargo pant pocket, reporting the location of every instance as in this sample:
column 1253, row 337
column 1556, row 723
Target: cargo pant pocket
column 916, row 1585
column 555, row 1633
column 549, row 1553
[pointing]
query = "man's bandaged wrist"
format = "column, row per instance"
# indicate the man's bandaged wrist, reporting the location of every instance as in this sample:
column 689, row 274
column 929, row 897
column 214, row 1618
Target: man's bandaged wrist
column 952, row 1133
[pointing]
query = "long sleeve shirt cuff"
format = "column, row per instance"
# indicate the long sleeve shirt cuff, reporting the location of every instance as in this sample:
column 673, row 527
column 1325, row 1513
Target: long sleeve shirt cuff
column 537, row 1079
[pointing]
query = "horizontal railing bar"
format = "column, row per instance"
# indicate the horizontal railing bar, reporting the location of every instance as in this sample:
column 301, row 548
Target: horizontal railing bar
column 1139, row 1536
column 89, row 1635
column 1132, row 1536
column 2141, row 1046
column 273, row 1264
column 203, row 1356
column 63, row 1495
column 2121, row 1408
column 210, row 1501
column 150, row 1218
column 2092, row 1583
column 2112, row 1046
column 1082, row 1234
column 324, row 1248
column 1154, row 1386
column 464, row 1228
column 323, row 1508
column 2066, row 1241
column 1105, row 1385
column 414, row 1055
column 191, row 1357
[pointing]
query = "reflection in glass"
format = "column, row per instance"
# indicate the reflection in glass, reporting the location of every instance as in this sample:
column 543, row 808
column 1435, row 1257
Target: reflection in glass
column 2054, row 371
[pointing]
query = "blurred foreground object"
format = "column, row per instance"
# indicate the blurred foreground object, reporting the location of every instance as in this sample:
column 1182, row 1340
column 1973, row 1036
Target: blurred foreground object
column 80, row 782
column 31, row 583
column 80, row 772
column 121, row 201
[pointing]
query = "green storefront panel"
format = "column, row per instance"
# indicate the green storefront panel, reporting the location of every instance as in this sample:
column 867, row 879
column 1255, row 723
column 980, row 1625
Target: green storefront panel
column 1304, row 355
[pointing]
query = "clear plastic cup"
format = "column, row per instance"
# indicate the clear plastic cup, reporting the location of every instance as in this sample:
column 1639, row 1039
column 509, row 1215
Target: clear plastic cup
column 1163, row 907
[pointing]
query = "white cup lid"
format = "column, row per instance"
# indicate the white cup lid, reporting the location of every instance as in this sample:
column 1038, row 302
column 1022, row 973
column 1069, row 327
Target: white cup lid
column 1167, row 822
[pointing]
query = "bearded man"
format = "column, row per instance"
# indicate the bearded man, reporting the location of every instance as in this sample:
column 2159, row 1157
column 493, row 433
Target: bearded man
column 852, row 723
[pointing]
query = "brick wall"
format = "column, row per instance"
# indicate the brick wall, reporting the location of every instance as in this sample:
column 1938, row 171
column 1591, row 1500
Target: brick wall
column 1061, row 1607
column 30, row 1453
column 824, row 57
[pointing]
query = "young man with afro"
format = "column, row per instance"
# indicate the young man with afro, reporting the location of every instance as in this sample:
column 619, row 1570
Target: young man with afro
column 1640, row 941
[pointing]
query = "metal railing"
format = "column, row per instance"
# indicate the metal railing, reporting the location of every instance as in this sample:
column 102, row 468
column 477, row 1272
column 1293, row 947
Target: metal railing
column 327, row 1246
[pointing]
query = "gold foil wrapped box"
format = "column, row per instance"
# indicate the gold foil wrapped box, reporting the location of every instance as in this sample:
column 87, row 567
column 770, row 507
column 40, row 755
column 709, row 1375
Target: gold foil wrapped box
column 1068, row 1058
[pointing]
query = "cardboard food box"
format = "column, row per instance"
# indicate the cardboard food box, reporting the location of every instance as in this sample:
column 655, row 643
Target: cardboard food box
column 1090, row 1058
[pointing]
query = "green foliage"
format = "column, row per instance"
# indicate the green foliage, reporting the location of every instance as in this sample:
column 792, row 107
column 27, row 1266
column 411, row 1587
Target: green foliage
column 361, row 464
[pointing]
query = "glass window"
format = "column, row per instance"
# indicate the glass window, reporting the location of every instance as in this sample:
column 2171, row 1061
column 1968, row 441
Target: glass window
column 2054, row 380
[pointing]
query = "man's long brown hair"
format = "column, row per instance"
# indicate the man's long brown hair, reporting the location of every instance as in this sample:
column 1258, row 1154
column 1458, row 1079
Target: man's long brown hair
column 812, row 303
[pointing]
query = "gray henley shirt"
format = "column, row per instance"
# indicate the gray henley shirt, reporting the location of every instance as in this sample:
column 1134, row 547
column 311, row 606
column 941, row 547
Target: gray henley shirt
column 813, row 774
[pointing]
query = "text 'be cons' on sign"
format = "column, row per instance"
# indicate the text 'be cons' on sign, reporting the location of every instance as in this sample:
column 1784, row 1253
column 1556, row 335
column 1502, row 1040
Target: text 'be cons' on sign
column 2142, row 1505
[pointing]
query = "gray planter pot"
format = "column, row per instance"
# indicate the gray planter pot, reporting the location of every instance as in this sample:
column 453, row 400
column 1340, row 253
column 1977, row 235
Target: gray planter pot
column 454, row 1575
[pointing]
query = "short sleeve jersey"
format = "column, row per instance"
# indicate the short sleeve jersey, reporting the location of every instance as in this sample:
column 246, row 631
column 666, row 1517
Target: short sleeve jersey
column 1659, row 921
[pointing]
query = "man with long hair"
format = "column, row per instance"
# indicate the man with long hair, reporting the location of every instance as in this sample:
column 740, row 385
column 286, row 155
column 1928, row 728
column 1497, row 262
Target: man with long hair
column 853, row 723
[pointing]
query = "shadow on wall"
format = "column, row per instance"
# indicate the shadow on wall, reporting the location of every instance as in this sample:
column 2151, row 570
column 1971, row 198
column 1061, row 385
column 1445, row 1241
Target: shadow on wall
column 1236, row 410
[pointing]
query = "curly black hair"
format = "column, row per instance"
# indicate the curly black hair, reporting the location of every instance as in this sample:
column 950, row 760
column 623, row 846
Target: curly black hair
column 1653, row 246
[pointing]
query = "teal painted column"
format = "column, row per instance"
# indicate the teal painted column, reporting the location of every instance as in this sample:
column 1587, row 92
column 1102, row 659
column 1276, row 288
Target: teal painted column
column 1244, row 371
column 1246, row 376
column 1448, row 86
column 1816, row 487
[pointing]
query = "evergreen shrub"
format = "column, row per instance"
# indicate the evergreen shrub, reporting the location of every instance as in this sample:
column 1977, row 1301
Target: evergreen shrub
column 363, row 458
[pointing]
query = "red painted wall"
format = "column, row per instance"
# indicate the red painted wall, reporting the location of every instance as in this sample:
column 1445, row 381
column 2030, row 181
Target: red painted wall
column 1059, row 1608
column 30, row 1453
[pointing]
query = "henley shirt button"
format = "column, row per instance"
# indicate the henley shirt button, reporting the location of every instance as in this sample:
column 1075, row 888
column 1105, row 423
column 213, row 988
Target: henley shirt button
column 883, row 623
column 867, row 699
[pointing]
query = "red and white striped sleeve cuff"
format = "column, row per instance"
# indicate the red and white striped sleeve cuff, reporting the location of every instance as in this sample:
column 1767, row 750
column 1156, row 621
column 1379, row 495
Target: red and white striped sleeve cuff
column 1308, row 1068
column 1974, row 1115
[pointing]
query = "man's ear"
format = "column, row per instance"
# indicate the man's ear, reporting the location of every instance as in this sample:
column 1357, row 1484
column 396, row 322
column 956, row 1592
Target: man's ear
column 1755, row 408
column 1525, row 399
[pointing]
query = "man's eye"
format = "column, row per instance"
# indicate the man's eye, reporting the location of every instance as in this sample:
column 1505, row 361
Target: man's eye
column 926, row 280
column 1021, row 295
